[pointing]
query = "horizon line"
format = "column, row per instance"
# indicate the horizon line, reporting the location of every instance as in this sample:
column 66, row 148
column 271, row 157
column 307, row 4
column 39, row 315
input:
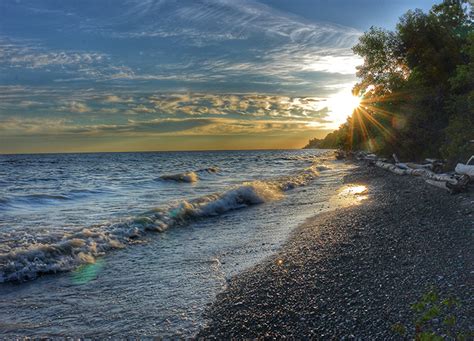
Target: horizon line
column 155, row 151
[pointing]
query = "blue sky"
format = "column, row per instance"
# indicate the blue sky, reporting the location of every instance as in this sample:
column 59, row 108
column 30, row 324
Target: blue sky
column 103, row 75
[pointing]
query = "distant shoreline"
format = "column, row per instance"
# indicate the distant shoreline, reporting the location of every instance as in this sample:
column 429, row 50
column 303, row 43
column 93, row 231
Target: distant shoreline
column 355, row 271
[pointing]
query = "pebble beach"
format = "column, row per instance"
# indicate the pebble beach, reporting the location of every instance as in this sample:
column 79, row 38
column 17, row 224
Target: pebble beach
column 354, row 273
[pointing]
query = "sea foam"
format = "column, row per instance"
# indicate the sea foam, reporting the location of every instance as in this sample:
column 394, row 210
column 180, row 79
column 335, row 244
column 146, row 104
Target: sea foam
column 21, row 263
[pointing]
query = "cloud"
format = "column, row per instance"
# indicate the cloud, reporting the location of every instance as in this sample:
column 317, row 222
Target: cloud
column 31, row 55
column 91, row 103
column 49, row 127
column 41, row 60
column 204, row 23
column 108, row 111
column 14, row 126
column 117, row 99
column 37, row 127
column 276, row 52
column 75, row 107
column 221, row 67
column 29, row 104
column 245, row 105
column 254, row 127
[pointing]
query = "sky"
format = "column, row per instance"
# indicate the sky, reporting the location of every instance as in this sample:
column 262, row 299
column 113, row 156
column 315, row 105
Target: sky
column 143, row 75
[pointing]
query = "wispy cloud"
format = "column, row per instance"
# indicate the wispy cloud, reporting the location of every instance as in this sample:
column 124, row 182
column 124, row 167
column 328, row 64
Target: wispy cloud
column 218, row 20
column 175, row 127
column 32, row 55
column 74, row 107
column 277, row 48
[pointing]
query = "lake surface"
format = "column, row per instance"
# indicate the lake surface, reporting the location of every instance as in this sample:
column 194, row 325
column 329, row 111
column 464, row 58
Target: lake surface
column 139, row 244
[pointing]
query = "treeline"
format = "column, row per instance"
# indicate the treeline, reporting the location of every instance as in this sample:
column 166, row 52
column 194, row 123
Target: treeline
column 417, row 88
column 330, row 141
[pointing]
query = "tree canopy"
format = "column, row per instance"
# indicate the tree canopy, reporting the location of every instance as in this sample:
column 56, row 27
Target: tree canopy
column 417, row 87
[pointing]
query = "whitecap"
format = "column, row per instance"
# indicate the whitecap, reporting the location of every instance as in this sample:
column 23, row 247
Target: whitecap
column 22, row 263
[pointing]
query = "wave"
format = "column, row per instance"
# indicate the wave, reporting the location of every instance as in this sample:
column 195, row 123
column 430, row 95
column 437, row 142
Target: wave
column 39, row 199
column 323, row 168
column 33, row 200
column 211, row 170
column 181, row 177
column 189, row 177
column 23, row 263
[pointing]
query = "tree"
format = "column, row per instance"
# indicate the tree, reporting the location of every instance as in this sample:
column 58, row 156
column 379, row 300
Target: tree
column 459, row 144
column 416, row 84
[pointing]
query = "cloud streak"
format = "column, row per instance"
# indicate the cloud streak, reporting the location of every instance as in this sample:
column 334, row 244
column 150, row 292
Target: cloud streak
column 276, row 48
column 157, row 127
column 94, row 105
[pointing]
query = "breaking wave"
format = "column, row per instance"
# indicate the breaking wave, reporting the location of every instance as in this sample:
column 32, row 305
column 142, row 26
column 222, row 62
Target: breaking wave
column 21, row 263
column 189, row 177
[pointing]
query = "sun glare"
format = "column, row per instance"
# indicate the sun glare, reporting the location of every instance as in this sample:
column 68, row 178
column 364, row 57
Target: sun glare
column 341, row 106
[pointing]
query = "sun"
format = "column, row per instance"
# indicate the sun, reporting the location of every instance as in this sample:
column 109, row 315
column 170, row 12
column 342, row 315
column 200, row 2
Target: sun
column 341, row 105
column 354, row 101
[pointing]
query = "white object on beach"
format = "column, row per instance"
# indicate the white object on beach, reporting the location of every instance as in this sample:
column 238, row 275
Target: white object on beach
column 439, row 184
column 452, row 182
column 417, row 171
column 419, row 166
column 465, row 169
column 391, row 167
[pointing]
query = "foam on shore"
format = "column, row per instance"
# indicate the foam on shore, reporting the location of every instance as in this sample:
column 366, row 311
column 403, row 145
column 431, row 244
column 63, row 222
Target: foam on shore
column 25, row 262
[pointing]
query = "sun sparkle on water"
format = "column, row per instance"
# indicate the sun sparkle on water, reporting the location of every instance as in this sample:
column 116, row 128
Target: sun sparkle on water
column 350, row 194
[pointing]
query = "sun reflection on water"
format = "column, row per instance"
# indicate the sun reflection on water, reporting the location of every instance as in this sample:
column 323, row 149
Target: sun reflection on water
column 357, row 190
column 349, row 195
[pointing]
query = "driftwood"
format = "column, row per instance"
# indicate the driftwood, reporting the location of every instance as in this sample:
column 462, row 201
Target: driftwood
column 452, row 183
column 419, row 166
column 439, row 184
column 441, row 177
column 400, row 168
column 390, row 167
column 431, row 164
column 436, row 165
column 459, row 186
column 465, row 169
column 430, row 170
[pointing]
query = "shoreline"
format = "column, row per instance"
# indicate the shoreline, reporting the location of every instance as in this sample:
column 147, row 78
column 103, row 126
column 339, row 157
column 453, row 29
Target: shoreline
column 355, row 271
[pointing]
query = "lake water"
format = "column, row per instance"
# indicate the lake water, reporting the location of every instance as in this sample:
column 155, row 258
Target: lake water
column 139, row 244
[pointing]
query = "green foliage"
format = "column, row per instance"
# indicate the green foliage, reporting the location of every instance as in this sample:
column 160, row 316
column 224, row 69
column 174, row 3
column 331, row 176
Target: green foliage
column 383, row 67
column 460, row 130
column 333, row 140
column 417, row 84
column 434, row 319
column 399, row 329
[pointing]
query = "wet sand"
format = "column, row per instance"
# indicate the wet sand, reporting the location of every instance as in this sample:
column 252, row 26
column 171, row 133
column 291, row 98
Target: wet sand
column 353, row 272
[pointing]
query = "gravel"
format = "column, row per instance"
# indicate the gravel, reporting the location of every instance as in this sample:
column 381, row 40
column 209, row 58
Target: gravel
column 354, row 272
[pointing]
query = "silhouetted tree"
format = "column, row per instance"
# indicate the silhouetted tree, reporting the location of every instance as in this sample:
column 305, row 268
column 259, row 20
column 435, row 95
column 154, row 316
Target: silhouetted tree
column 417, row 86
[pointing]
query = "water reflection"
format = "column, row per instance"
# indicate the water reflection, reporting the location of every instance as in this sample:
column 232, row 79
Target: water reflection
column 87, row 272
column 348, row 195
